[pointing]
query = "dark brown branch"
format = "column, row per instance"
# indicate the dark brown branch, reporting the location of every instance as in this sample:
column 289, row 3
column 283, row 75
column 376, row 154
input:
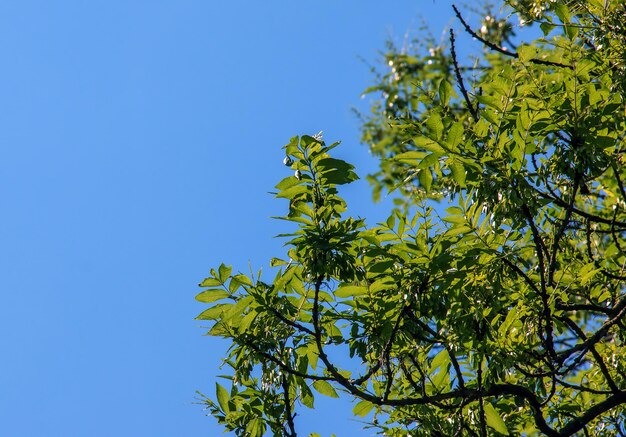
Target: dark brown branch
column 578, row 423
column 459, row 79
column 502, row 50
column 520, row 272
column 338, row 377
column 620, row 184
column 481, row 400
column 593, row 218
column 285, row 367
column 613, row 275
column 386, row 357
column 615, row 239
column 522, row 392
column 546, row 314
column 561, row 231
column 288, row 411
column 605, row 371
column 583, row 388
column 616, row 314
column 453, row 360
column 389, row 376
column 290, row 323
column 582, row 307
column 588, row 237
column 409, row 377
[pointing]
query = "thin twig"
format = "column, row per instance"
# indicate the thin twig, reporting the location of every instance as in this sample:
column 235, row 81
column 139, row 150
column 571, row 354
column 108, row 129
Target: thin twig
column 502, row 50
column 459, row 79
column 288, row 410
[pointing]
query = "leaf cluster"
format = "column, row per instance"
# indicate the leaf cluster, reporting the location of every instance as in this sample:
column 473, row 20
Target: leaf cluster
column 500, row 311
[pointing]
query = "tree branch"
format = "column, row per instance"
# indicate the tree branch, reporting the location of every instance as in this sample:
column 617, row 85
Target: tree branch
column 288, row 413
column 502, row 50
column 605, row 371
column 459, row 79
column 578, row 423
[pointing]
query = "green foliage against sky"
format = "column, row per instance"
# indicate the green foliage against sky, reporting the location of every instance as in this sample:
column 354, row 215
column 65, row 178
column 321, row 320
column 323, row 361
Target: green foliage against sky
column 502, row 316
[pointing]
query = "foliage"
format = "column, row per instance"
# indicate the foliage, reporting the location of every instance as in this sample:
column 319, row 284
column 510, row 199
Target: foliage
column 502, row 315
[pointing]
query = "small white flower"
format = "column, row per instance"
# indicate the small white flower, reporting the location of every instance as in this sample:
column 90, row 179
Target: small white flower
column 319, row 136
column 298, row 175
column 287, row 161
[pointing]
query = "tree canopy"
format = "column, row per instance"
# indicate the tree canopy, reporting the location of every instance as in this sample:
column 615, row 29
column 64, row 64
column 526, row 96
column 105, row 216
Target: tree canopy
column 492, row 301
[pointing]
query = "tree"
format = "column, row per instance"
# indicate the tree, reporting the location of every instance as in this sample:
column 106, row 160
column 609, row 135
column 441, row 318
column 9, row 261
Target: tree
column 503, row 314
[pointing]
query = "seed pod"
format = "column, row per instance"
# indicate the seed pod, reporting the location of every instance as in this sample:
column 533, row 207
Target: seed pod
column 287, row 161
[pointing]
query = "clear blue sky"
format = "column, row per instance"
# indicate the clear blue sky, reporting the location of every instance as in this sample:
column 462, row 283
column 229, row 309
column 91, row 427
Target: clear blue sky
column 138, row 142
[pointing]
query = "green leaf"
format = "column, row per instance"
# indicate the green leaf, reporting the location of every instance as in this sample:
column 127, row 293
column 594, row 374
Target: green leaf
column 455, row 134
column 381, row 266
column 441, row 359
column 426, row 179
column 445, row 91
column 333, row 163
column 292, row 192
column 426, row 143
column 350, row 291
column 454, row 210
column 435, row 126
column 454, row 219
column 247, row 320
column 307, row 396
column 325, row 388
column 493, row 102
column 587, row 272
column 339, row 177
column 213, row 313
column 456, row 230
column 410, row 156
column 429, row 160
column 253, row 428
column 212, row 295
column 276, row 262
column 441, row 377
column 288, row 182
column 526, row 53
column 494, row 420
column 210, row 282
column 458, row 172
column 242, row 279
column 224, row 272
column 363, row 408
column 571, row 31
column 546, row 28
column 511, row 317
column 384, row 283
column 222, row 397
column 562, row 12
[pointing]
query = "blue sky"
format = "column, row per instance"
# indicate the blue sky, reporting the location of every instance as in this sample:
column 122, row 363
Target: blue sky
column 138, row 141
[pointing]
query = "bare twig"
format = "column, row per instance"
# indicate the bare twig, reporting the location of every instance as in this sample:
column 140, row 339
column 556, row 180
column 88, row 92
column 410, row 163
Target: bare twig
column 459, row 79
column 502, row 50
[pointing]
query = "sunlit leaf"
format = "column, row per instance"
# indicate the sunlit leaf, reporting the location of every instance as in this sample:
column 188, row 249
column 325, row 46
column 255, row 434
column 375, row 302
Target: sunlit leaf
column 494, row 420
column 325, row 388
column 222, row 396
column 212, row 295
column 362, row 408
